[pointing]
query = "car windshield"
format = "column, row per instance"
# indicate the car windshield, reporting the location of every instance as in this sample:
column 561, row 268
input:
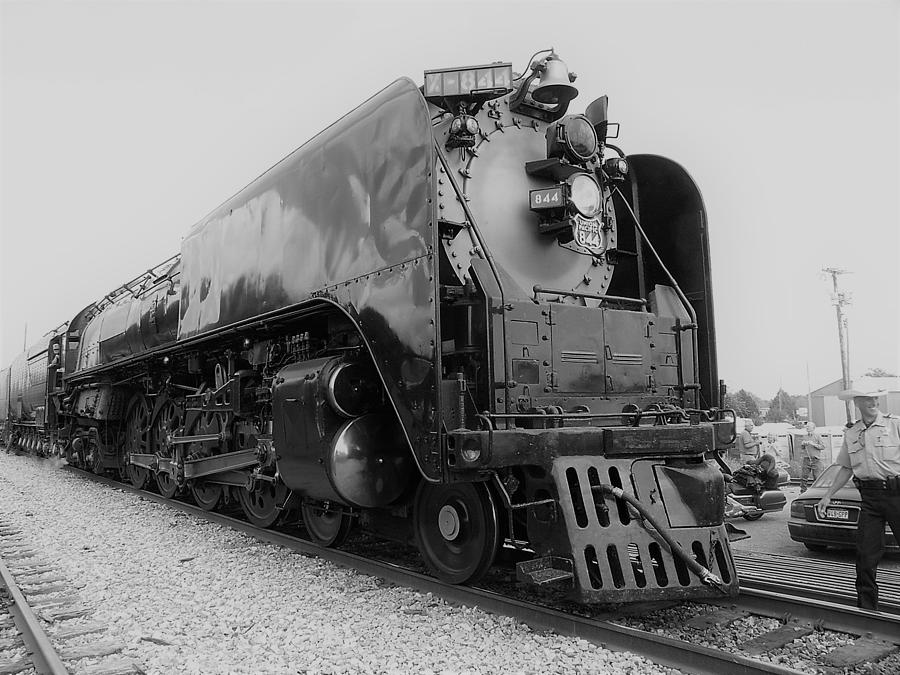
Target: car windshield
column 827, row 477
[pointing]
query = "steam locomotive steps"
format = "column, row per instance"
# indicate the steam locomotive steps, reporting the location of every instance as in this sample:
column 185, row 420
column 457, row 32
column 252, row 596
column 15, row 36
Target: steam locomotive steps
column 33, row 595
column 739, row 636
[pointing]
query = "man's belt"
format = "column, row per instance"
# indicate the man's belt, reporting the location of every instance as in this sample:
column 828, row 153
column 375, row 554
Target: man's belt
column 892, row 483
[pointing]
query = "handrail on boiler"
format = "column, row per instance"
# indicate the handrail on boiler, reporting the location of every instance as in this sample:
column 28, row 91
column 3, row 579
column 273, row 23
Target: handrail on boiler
column 540, row 290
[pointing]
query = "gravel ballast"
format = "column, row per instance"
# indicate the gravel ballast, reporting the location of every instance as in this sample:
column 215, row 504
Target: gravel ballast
column 188, row 596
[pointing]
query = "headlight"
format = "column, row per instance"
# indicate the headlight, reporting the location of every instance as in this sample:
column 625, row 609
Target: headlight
column 584, row 194
column 572, row 136
column 471, row 125
column 471, row 451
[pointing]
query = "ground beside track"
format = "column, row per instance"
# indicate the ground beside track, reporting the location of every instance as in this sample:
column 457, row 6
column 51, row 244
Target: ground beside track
column 192, row 597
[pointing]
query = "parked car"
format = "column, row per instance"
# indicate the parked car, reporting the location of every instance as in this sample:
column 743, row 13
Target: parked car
column 838, row 528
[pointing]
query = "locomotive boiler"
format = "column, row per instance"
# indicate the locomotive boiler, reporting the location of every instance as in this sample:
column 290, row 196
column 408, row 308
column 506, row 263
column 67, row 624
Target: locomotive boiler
column 458, row 317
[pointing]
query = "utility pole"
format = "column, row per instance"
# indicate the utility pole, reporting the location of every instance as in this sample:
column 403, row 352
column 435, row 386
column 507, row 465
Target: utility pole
column 840, row 299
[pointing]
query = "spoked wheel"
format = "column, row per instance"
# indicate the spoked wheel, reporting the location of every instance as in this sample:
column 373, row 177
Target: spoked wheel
column 207, row 495
column 326, row 528
column 167, row 421
column 95, row 461
column 137, row 440
column 457, row 530
column 261, row 504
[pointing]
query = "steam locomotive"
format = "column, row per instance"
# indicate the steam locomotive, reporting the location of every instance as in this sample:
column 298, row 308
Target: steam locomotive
column 458, row 317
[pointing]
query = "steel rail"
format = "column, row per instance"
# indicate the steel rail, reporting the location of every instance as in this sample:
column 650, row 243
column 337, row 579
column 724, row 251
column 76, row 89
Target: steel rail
column 804, row 576
column 662, row 650
column 775, row 603
column 41, row 651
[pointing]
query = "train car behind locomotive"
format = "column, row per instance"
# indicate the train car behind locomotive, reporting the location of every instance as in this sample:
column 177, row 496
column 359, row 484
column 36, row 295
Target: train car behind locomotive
column 458, row 317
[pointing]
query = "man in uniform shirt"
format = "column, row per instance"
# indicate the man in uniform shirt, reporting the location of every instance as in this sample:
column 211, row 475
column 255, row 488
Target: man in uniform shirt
column 871, row 454
column 811, row 447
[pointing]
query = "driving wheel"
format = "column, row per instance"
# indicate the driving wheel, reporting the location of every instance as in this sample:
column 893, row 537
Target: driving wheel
column 206, row 495
column 137, row 440
column 326, row 527
column 167, row 421
column 262, row 504
column 457, row 531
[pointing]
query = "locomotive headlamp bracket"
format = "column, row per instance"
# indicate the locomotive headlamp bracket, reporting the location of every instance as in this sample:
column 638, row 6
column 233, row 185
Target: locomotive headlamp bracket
column 570, row 212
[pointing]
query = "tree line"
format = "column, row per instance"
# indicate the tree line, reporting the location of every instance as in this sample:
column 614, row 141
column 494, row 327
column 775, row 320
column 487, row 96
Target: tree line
column 782, row 407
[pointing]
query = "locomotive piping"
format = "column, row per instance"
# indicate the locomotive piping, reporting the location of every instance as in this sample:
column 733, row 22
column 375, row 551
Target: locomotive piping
column 705, row 575
column 485, row 250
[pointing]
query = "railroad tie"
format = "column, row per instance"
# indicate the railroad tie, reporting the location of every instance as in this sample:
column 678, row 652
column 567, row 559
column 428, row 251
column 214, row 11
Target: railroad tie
column 92, row 651
column 63, row 634
column 863, row 649
column 12, row 667
column 719, row 617
column 119, row 666
column 776, row 639
column 62, row 614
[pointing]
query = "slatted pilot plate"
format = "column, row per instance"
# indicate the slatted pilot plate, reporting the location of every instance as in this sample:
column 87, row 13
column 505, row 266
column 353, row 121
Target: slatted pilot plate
column 657, row 440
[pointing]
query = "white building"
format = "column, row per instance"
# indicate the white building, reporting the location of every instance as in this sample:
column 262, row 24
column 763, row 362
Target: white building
column 829, row 410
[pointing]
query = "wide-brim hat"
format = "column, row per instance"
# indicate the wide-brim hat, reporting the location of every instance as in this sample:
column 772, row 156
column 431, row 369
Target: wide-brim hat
column 849, row 394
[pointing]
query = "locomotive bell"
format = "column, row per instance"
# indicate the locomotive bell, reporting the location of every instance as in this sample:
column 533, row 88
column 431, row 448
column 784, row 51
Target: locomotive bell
column 555, row 84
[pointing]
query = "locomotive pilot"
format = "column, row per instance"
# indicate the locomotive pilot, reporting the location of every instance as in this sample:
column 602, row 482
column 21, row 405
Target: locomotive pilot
column 871, row 455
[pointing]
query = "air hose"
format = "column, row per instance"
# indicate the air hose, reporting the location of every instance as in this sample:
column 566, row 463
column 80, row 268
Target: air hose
column 705, row 575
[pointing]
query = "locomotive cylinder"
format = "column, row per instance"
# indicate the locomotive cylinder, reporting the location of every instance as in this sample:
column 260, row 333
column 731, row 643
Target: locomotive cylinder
column 361, row 461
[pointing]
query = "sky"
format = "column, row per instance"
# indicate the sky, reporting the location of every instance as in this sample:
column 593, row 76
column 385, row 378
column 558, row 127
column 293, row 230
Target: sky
column 123, row 123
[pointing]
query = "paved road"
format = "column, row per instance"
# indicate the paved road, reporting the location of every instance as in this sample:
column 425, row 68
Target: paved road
column 769, row 534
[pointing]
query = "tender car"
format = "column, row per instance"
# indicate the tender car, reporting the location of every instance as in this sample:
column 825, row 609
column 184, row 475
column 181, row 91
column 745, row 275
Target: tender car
column 838, row 528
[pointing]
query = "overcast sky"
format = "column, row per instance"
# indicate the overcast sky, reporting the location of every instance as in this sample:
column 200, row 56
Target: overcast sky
column 123, row 123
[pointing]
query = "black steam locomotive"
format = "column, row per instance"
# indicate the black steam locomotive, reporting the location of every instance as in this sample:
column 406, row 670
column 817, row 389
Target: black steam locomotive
column 459, row 317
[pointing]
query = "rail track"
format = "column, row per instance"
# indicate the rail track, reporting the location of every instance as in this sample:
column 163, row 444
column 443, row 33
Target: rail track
column 33, row 595
column 805, row 576
column 792, row 615
column 30, row 638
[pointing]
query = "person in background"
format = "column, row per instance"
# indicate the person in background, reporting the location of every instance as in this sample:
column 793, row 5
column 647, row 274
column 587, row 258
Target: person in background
column 871, row 454
column 811, row 447
column 770, row 447
column 747, row 445
column 767, row 470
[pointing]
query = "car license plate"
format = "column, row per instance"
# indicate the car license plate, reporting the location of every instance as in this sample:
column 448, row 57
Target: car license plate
column 837, row 514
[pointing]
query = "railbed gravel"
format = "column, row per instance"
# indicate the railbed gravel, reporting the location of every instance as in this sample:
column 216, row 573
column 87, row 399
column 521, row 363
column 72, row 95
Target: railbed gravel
column 188, row 596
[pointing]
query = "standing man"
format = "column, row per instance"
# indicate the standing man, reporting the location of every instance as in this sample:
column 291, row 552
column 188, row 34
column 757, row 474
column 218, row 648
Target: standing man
column 871, row 454
column 747, row 445
column 771, row 447
column 811, row 447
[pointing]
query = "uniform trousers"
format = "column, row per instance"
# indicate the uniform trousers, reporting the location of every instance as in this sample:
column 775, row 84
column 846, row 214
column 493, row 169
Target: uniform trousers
column 878, row 506
column 810, row 469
